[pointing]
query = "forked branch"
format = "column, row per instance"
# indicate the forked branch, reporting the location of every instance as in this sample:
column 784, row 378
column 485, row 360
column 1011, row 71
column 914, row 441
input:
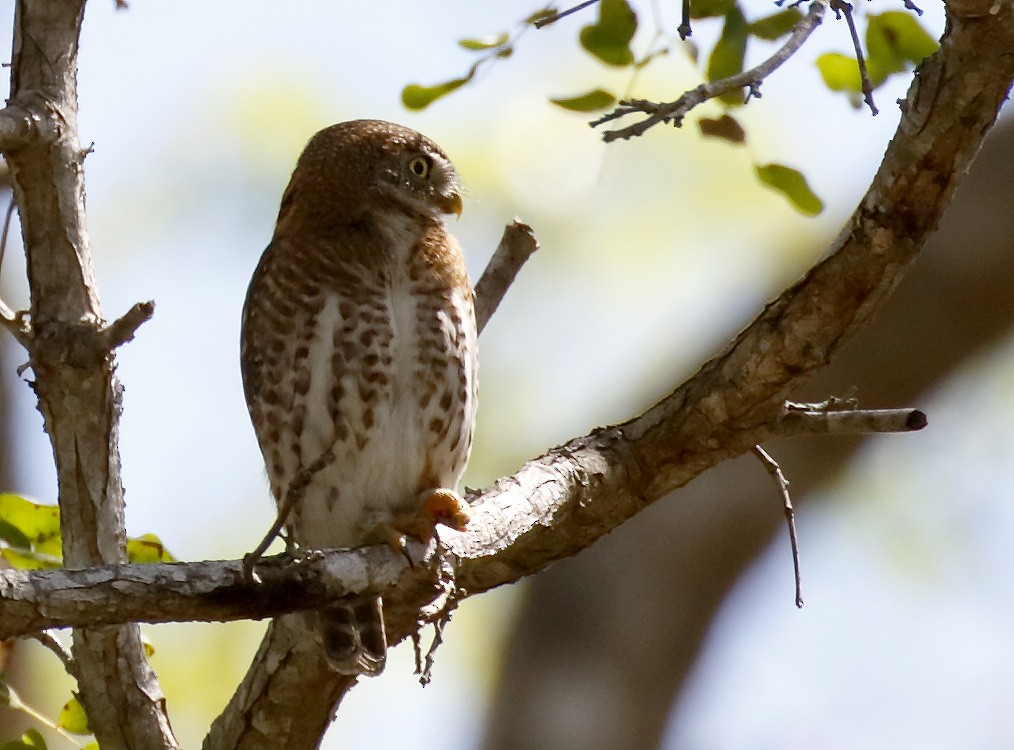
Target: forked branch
column 675, row 111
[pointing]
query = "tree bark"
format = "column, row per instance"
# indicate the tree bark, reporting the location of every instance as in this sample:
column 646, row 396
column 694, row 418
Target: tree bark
column 71, row 358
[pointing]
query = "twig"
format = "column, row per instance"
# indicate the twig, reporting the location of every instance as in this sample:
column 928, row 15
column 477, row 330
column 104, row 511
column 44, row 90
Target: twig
column 841, row 7
column 293, row 494
column 51, row 642
column 122, row 330
column 684, row 29
column 425, row 668
column 6, row 229
column 820, row 419
column 676, row 110
column 775, row 471
column 516, row 246
column 562, row 13
column 14, row 323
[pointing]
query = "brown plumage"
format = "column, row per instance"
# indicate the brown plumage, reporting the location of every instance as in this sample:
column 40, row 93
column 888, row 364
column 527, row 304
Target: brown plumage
column 359, row 355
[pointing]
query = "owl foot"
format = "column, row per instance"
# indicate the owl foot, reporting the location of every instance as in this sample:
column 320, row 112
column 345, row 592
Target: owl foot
column 446, row 507
column 439, row 506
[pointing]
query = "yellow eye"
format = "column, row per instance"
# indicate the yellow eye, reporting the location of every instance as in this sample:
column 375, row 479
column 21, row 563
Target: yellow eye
column 419, row 166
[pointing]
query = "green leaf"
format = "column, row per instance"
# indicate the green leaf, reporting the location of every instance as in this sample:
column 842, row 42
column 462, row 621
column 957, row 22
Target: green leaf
column 727, row 56
column 31, row 532
column 30, row 740
column 895, row 40
column 415, row 96
column 593, row 100
column 776, row 25
column 13, row 535
column 791, row 184
column 840, row 72
column 26, row 559
column 37, row 522
column 724, row 127
column 91, row 746
column 710, row 8
column 477, row 44
column 608, row 39
column 73, row 717
column 147, row 548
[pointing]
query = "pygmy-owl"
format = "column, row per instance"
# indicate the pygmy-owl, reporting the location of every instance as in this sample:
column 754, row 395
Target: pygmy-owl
column 359, row 356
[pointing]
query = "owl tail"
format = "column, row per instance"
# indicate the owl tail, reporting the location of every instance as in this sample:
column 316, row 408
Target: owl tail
column 353, row 635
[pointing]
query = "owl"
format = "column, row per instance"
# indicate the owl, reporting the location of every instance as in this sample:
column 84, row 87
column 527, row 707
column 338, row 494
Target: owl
column 359, row 357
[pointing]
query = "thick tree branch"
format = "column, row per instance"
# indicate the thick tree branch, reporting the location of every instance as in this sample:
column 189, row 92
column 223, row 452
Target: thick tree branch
column 33, row 600
column 79, row 396
column 560, row 503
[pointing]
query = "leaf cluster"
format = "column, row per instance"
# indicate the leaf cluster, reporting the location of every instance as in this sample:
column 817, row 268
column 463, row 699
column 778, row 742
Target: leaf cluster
column 30, row 539
column 895, row 42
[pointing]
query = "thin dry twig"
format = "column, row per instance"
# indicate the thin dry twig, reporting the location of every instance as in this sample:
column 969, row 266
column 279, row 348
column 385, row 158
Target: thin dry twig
column 6, row 229
column 51, row 642
column 775, row 471
column 293, row 494
column 841, row 7
column 516, row 246
column 675, row 111
column 424, row 665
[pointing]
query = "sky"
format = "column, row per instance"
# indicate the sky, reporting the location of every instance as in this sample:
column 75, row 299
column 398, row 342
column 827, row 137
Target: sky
column 653, row 252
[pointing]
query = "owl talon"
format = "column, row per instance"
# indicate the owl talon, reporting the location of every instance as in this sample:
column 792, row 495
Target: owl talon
column 249, row 573
column 397, row 541
column 446, row 507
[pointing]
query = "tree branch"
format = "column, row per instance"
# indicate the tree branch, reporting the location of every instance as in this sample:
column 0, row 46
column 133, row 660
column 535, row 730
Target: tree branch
column 515, row 248
column 33, row 600
column 561, row 502
column 674, row 112
column 78, row 394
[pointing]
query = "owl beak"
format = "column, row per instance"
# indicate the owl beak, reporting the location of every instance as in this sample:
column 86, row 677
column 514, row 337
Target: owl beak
column 451, row 203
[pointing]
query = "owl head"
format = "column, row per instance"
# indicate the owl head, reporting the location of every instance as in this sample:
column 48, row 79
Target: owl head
column 366, row 165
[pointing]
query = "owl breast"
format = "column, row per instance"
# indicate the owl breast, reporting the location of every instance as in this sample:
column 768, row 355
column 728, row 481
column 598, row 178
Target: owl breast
column 386, row 390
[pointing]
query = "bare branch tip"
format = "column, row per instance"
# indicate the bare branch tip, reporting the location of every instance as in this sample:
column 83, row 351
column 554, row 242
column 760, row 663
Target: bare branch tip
column 517, row 245
column 123, row 329
column 916, row 420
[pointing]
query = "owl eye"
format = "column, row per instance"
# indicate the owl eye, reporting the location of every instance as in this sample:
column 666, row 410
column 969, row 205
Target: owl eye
column 419, row 166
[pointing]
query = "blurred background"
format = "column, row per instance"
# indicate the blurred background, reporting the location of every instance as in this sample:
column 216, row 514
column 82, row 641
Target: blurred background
column 679, row 629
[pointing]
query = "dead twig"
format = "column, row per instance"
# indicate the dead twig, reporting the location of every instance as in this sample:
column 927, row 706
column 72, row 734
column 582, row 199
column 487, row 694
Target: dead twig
column 675, row 111
column 775, row 471
column 516, row 246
